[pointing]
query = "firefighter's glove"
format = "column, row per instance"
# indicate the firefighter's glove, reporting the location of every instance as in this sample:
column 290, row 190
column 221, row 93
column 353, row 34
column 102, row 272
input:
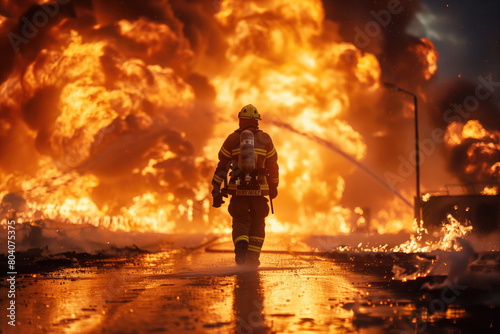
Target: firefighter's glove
column 218, row 201
column 273, row 191
column 217, row 195
column 216, row 190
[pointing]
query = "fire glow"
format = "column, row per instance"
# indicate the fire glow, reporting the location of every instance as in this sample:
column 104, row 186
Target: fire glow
column 117, row 123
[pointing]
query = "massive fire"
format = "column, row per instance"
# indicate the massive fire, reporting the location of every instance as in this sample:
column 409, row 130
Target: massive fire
column 478, row 150
column 115, row 120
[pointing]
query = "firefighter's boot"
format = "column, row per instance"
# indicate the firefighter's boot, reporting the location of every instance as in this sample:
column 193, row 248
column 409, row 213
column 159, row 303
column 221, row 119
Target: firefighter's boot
column 240, row 251
column 254, row 249
column 253, row 260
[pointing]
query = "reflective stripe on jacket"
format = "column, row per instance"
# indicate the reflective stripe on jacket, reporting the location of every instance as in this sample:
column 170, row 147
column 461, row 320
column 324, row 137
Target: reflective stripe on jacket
column 266, row 161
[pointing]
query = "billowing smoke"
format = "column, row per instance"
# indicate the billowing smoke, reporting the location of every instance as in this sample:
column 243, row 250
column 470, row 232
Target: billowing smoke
column 472, row 143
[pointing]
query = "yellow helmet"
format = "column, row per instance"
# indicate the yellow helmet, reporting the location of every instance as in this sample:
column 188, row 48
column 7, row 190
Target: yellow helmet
column 249, row 112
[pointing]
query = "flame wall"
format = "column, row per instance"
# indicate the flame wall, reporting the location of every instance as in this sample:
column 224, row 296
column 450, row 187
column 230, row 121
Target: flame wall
column 113, row 112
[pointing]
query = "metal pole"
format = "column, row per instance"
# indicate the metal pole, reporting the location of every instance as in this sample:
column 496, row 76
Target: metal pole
column 418, row 214
column 417, row 161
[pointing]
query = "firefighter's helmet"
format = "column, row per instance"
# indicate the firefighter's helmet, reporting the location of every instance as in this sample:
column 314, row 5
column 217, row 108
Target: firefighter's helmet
column 249, row 112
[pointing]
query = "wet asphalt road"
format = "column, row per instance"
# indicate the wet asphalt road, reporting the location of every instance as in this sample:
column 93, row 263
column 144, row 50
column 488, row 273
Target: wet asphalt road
column 179, row 291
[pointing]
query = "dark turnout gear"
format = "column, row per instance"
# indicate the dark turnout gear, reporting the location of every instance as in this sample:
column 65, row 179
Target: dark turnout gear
column 252, row 158
column 249, row 226
column 273, row 191
column 266, row 166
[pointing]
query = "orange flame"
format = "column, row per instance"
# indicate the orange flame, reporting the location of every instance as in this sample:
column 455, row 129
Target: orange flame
column 490, row 191
column 428, row 57
column 130, row 146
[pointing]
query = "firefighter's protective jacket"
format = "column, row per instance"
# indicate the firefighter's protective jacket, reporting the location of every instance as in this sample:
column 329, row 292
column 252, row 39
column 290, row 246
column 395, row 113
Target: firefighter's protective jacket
column 266, row 162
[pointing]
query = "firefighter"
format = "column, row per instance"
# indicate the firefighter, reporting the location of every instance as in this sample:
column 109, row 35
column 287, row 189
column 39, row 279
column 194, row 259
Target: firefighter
column 252, row 158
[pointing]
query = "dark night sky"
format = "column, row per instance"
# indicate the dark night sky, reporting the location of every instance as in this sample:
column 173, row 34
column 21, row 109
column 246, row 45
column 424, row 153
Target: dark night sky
column 466, row 34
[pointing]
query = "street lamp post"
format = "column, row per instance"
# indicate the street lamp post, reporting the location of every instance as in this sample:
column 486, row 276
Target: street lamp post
column 417, row 147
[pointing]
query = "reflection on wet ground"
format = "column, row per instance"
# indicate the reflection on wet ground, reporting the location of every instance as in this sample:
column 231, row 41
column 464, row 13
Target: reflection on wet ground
column 203, row 292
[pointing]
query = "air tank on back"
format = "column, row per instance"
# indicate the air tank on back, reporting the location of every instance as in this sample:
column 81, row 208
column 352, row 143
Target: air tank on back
column 247, row 156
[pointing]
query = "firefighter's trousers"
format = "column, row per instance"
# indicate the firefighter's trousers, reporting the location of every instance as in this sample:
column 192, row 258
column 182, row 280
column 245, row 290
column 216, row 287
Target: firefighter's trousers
column 249, row 213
